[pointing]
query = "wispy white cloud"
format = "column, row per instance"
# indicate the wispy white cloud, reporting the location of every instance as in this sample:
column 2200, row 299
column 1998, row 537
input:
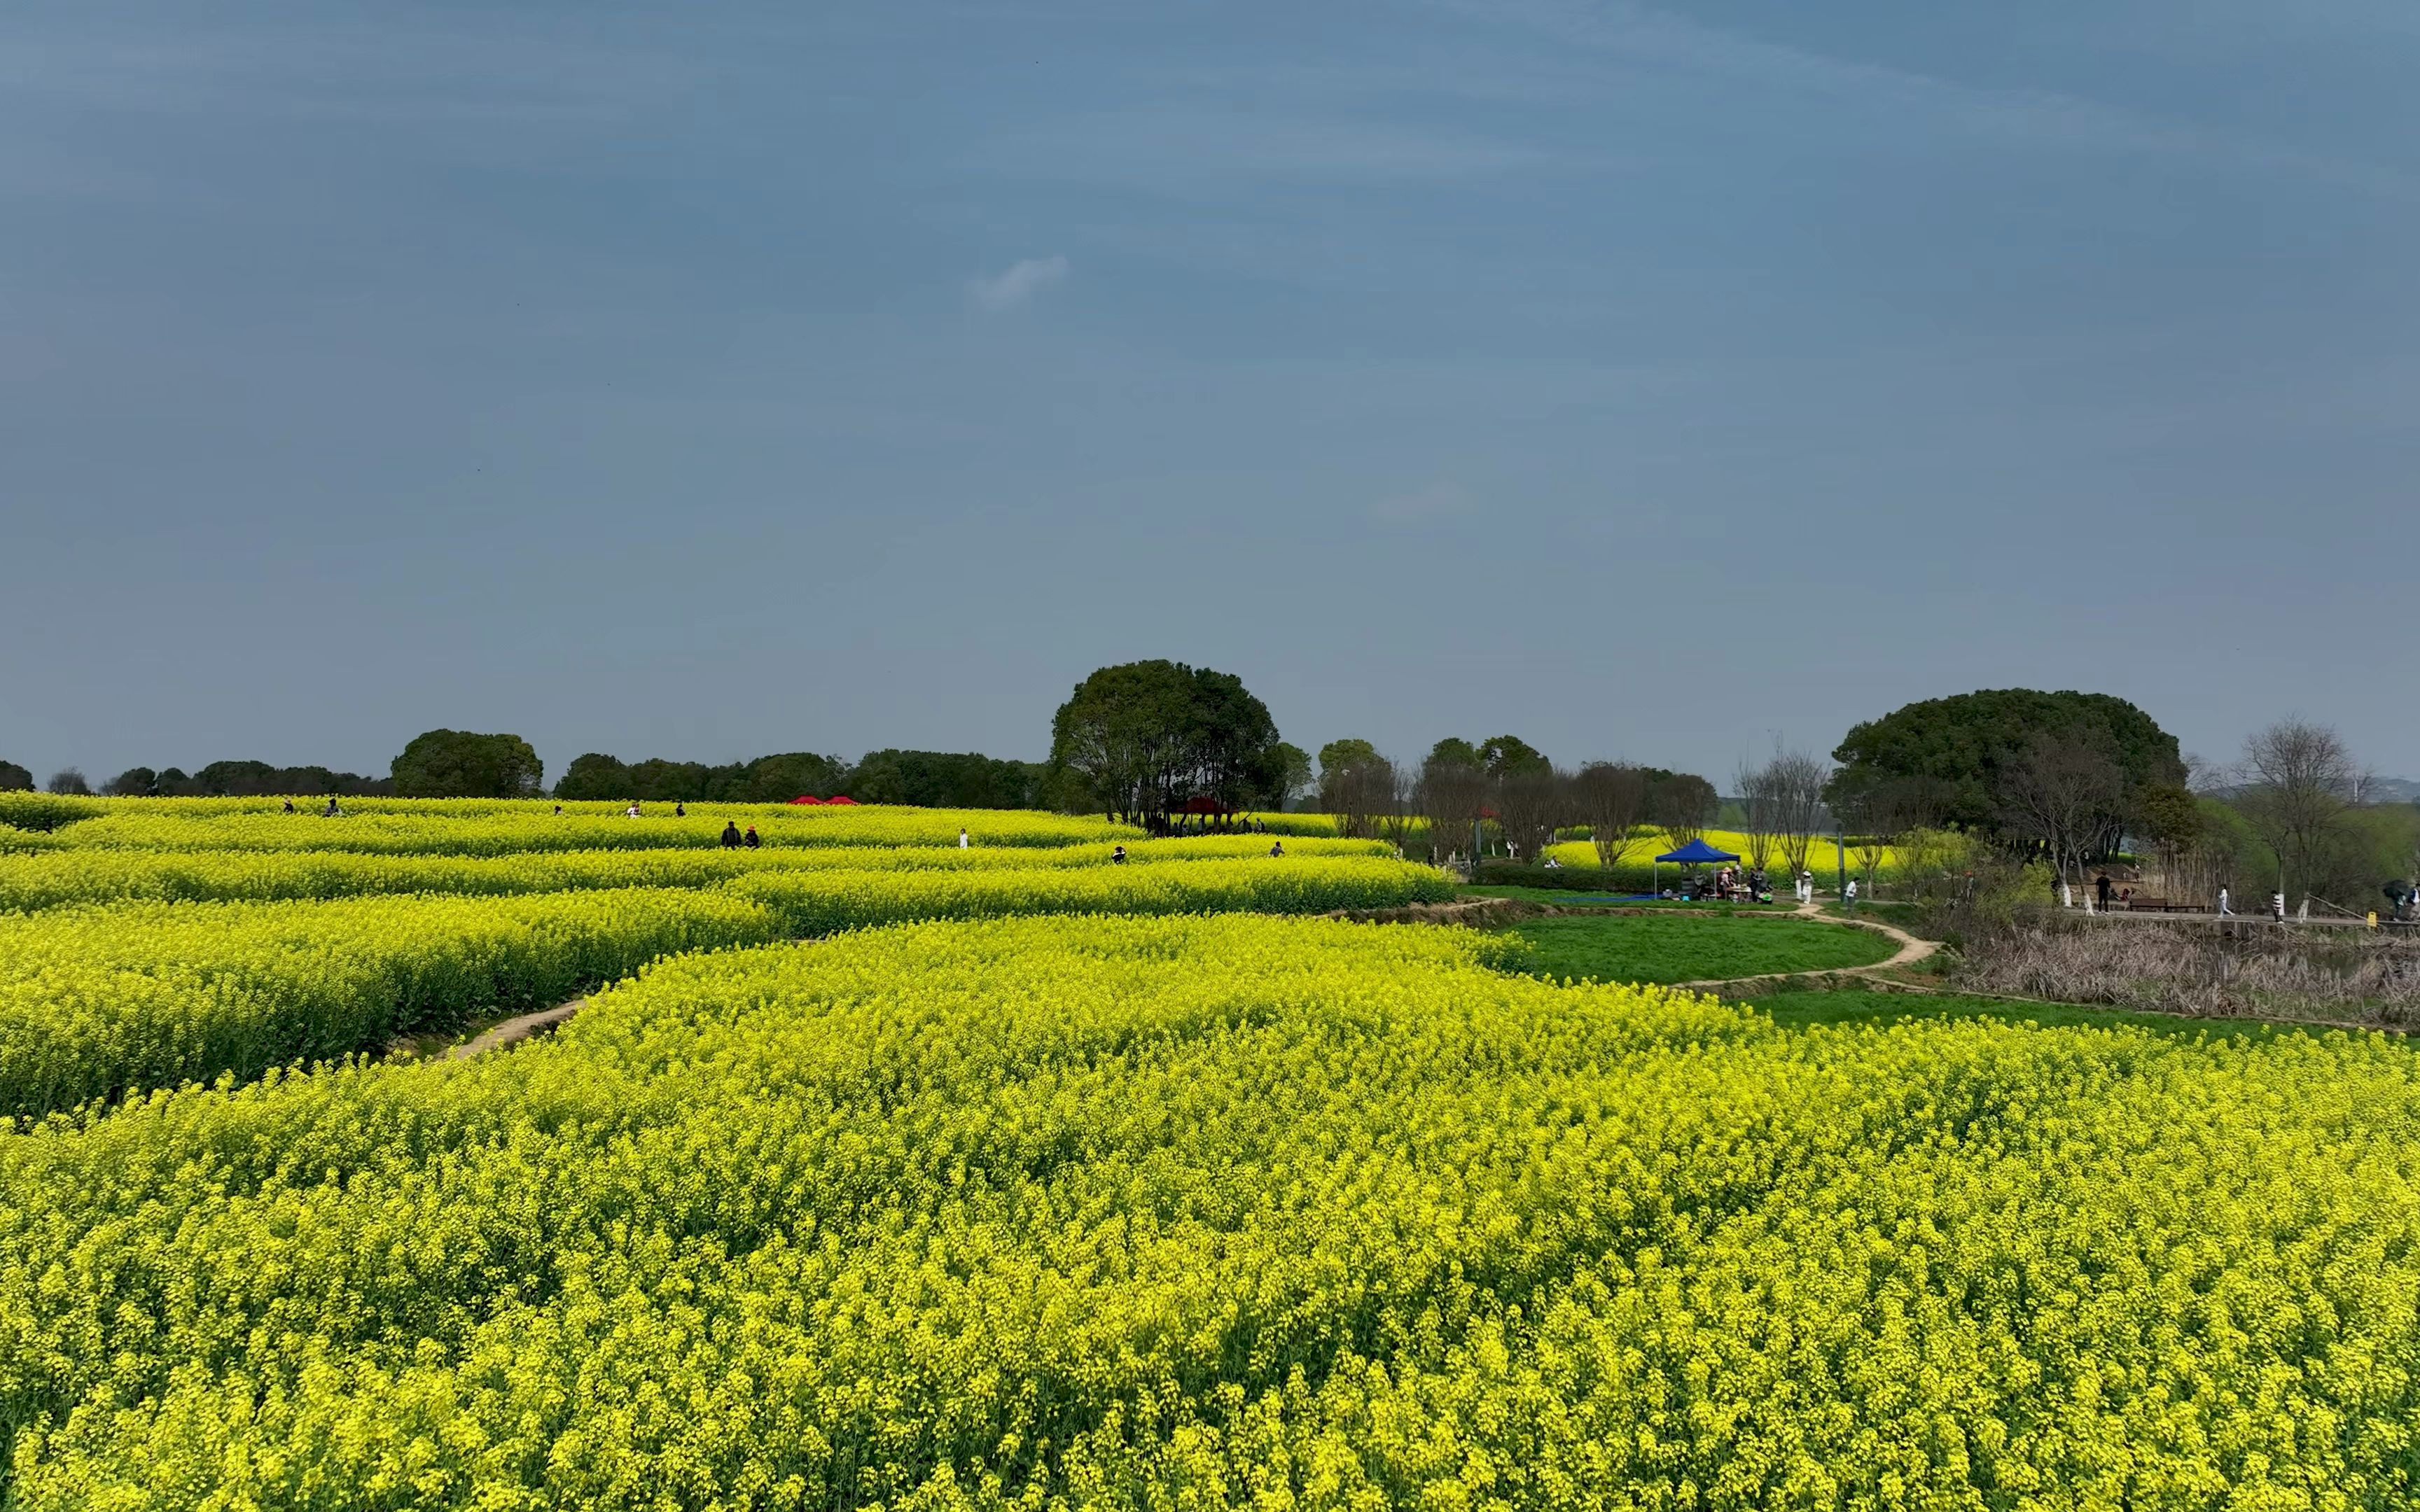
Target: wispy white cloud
column 1017, row 283
column 1634, row 34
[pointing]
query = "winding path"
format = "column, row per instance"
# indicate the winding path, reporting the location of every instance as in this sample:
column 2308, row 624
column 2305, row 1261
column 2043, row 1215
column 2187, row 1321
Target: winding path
column 1911, row 950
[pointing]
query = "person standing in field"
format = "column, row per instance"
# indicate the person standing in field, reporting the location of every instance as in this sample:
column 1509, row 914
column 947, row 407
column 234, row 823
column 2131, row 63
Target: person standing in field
column 289, row 805
column 332, row 811
column 962, row 836
column 631, row 812
column 2224, row 912
column 750, row 839
column 2101, row 890
column 730, row 835
column 1278, row 848
column 680, row 809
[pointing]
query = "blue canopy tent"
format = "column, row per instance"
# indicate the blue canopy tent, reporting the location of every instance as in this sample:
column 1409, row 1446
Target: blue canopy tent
column 1695, row 851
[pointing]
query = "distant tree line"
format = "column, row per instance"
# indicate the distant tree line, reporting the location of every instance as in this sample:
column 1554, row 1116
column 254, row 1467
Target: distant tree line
column 775, row 779
column 928, row 779
column 218, row 780
column 242, row 779
column 2067, row 779
column 1470, row 798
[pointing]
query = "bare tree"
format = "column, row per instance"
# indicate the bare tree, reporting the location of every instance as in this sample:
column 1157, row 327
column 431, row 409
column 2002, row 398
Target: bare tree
column 1355, row 790
column 1453, row 797
column 1611, row 799
column 1531, row 804
column 2300, row 782
column 70, row 780
column 2060, row 795
column 1681, row 805
column 1399, row 807
column 1754, row 783
column 1796, row 781
column 1882, row 818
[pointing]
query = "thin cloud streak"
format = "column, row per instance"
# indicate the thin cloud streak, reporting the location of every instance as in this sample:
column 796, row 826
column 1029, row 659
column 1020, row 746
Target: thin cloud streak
column 1018, row 283
column 1644, row 34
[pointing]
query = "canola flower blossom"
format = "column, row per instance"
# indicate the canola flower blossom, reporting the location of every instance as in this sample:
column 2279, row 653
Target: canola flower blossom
column 1200, row 1212
column 55, row 874
column 99, row 1000
column 430, row 829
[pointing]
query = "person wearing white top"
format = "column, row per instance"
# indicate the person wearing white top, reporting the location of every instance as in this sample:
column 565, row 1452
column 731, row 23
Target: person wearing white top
column 962, row 840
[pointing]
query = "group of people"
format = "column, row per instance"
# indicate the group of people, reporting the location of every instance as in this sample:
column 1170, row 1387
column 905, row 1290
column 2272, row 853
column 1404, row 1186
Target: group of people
column 1166, row 826
column 331, row 812
column 1729, row 884
column 1117, row 854
column 732, row 839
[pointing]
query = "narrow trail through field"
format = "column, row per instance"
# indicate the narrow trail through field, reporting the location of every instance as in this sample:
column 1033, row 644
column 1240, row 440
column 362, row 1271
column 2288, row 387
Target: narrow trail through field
column 514, row 1030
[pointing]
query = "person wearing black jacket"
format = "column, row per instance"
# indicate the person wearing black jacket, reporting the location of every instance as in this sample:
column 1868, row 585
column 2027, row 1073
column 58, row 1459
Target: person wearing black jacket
column 730, row 836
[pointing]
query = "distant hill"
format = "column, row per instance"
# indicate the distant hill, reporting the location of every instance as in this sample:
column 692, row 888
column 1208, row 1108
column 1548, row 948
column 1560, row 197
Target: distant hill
column 2381, row 789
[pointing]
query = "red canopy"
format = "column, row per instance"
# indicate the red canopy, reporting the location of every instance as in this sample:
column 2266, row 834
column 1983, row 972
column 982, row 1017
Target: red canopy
column 842, row 798
column 1204, row 805
column 802, row 798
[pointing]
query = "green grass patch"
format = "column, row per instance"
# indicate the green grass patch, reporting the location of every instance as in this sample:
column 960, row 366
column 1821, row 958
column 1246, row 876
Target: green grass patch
column 1906, row 915
column 1688, row 947
column 1564, row 898
column 1805, row 1010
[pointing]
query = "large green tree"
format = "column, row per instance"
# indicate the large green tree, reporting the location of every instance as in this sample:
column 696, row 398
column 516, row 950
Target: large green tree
column 14, row 778
column 1512, row 756
column 1291, row 774
column 459, row 763
column 1338, row 757
column 1454, row 752
column 1971, row 748
column 1144, row 737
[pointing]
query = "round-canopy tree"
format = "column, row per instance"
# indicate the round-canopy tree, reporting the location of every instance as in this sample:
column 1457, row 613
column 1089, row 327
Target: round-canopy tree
column 1974, row 749
column 1145, row 736
column 457, row 764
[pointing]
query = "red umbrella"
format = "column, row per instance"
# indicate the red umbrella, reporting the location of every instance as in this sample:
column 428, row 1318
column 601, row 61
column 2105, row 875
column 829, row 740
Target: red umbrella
column 805, row 799
column 842, row 798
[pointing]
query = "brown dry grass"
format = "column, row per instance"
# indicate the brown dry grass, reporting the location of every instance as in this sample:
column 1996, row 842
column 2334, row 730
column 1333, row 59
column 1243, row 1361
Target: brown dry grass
column 2260, row 973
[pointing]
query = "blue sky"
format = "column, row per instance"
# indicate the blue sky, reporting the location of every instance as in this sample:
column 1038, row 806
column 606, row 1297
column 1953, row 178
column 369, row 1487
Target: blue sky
column 705, row 381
